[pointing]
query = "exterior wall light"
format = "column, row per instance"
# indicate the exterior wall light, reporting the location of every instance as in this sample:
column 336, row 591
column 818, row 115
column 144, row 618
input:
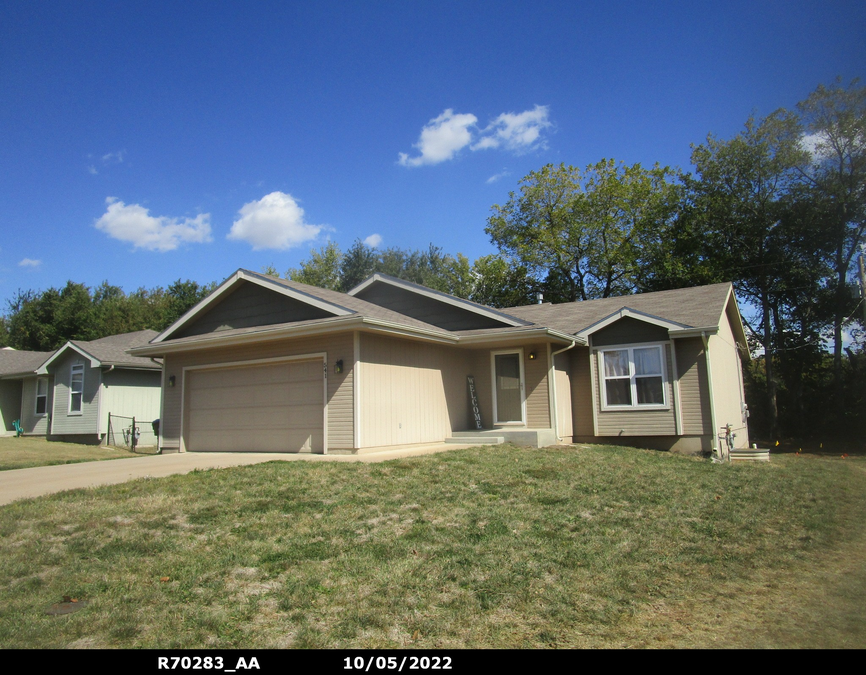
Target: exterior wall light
column 171, row 380
column 338, row 366
column 532, row 356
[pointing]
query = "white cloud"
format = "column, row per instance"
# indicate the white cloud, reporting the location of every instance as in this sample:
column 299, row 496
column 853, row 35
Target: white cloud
column 517, row 132
column 498, row 176
column 274, row 221
column 133, row 223
column 441, row 139
column 29, row 262
column 373, row 241
column 92, row 170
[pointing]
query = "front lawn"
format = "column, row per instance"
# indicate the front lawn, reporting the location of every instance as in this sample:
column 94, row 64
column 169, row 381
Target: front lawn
column 27, row 451
column 506, row 547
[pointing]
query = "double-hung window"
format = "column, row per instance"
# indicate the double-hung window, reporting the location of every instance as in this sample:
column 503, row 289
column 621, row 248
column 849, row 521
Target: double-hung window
column 633, row 377
column 76, row 388
column 41, row 395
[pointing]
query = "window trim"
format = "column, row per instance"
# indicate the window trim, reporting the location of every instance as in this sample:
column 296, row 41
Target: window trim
column 634, row 406
column 37, row 396
column 72, row 392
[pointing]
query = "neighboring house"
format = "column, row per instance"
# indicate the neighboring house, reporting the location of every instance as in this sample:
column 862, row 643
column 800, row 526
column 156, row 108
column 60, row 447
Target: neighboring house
column 265, row 364
column 68, row 394
column 23, row 396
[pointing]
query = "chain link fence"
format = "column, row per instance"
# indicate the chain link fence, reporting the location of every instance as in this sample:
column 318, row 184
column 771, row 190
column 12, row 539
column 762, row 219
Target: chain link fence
column 135, row 434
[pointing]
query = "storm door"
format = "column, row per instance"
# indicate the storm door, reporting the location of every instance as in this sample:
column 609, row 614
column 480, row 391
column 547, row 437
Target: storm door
column 508, row 388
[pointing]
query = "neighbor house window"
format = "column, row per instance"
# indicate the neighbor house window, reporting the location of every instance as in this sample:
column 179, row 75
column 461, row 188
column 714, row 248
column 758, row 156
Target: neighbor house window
column 633, row 377
column 41, row 395
column 76, row 388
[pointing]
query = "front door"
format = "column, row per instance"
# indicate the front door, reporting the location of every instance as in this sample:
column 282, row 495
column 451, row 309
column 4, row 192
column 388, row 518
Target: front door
column 508, row 388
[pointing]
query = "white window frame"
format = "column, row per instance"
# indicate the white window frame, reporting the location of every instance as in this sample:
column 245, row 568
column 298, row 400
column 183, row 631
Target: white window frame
column 76, row 367
column 41, row 380
column 660, row 346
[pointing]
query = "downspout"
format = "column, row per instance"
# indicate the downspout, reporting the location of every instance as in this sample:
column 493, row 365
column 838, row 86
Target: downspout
column 710, row 385
column 554, row 415
column 99, row 408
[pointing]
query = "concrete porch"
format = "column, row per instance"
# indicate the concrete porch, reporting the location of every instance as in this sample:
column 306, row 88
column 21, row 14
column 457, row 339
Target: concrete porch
column 536, row 438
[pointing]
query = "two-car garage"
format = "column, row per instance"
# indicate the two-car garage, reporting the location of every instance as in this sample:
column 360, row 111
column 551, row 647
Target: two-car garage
column 275, row 405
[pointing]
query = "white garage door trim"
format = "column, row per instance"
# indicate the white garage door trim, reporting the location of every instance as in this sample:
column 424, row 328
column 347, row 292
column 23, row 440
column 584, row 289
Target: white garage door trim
column 316, row 356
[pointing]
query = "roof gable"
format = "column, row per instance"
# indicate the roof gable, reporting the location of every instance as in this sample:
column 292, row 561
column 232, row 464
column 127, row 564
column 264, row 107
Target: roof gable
column 434, row 307
column 248, row 299
column 682, row 308
column 107, row 351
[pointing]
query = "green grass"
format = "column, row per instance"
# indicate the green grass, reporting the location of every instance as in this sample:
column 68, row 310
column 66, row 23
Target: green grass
column 29, row 451
column 487, row 547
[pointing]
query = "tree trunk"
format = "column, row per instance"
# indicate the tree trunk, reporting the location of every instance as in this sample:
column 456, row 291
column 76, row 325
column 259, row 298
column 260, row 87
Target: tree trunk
column 772, row 408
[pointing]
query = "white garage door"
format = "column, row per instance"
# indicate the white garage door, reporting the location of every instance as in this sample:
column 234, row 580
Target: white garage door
column 273, row 407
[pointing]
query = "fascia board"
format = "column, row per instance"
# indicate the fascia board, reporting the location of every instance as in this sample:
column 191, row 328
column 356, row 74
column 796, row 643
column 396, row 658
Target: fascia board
column 522, row 335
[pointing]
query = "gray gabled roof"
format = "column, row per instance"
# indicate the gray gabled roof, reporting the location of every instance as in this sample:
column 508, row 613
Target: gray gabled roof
column 696, row 307
column 15, row 362
column 110, row 351
column 466, row 305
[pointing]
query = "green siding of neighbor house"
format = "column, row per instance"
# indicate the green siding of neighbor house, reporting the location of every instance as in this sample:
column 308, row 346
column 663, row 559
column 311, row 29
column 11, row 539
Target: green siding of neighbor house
column 10, row 404
column 64, row 423
column 31, row 422
column 250, row 305
column 131, row 393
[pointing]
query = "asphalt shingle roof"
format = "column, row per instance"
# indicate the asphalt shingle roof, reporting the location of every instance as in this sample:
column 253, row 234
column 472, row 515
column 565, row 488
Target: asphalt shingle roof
column 20, row 362
column 694, row 307
column 111, row 350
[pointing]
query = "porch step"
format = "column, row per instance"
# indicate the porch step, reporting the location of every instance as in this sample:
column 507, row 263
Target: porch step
column 475, row 440
column 750, row 454
column 536, row 438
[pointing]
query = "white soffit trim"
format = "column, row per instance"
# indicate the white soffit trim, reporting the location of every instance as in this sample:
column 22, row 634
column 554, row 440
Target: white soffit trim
column 467, row 305
column 260, row 280
column 94, row 362
column 634, row 314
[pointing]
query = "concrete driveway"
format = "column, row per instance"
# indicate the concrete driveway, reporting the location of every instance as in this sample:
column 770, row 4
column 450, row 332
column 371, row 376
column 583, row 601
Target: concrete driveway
column 43, row 480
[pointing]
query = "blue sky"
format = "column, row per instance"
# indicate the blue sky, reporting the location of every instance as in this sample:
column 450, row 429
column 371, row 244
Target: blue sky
column 145, row 142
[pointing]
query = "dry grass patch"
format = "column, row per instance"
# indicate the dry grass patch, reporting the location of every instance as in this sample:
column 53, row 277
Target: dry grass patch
column 487, row 547
column 29, row 451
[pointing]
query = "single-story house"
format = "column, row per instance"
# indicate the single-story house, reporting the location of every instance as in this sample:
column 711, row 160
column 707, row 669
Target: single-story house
column 17, row 373
column 266, row 364
column 68, row 394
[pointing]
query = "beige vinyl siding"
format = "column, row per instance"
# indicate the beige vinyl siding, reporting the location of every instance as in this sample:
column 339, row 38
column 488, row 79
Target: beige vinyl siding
column 479, row 366
column 426, row 309
column 251, row 305
column 628, row 331
column 87, row 422
column 537, row 392
column 694, row 388
column 339, row 346
column 562, row 378
column 411, row 392
column 131, row 393
column 635, row 422
column 727, row 383
column 581, row 391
